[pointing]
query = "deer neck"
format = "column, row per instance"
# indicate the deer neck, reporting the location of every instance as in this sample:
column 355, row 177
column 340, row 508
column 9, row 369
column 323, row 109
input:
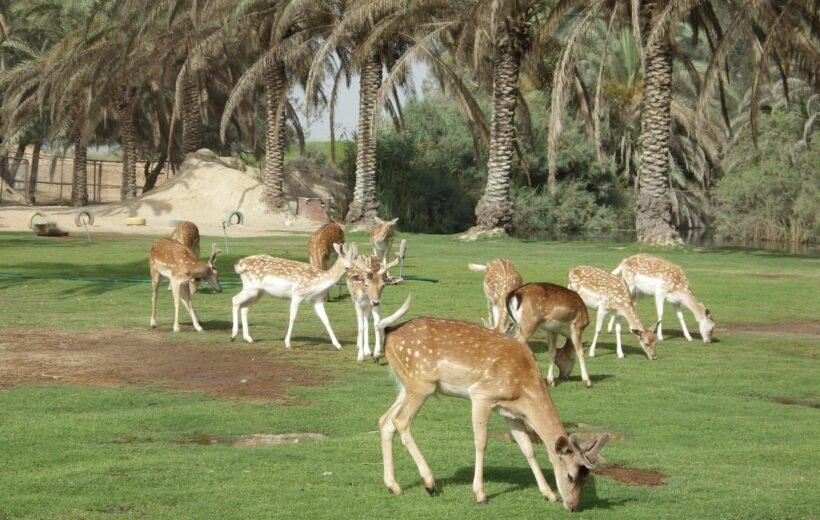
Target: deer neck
column 546, row 424
column 628, row 311
column 329, row 278
column 690, row 302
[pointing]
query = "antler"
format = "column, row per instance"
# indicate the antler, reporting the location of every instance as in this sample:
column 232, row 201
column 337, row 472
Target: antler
column 385, row 268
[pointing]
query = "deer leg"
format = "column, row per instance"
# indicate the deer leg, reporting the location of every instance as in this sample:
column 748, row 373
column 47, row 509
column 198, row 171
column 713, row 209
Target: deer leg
column 175, row 288
column 599, row 323
column 377, row 335
column 359, row 332
column 319, row 307
column 610, row 324
column 579, row 351
column 519, row 433
column 618, row 337
column 366, row 331
column 481, row 417
column 242, row 302
column 185, row 296
column 154, row 289
column 552, row 339
column 294, row 308
column 679, row 312
column 659, row 299
column 404, row 416
column 388, row 430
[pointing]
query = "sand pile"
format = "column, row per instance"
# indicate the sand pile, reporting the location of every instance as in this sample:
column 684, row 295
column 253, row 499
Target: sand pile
column 204, row 191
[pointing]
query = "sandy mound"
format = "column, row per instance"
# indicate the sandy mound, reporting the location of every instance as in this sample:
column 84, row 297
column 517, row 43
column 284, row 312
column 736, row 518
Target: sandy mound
column 204, row 191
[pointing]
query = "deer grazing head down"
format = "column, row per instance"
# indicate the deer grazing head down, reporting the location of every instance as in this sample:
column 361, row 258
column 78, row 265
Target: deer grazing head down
column 496, row 372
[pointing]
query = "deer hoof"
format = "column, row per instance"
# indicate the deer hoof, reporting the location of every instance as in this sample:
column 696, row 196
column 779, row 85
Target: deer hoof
column 432, row 491
column 484, row 502
column 248, row 339
column 551, row 384
column 395, row 489
column 588, row 384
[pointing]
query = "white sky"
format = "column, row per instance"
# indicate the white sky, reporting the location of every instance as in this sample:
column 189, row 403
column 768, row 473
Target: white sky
column 347, row 108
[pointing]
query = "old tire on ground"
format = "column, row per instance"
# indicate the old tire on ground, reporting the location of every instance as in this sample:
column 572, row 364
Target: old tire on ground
column 83, row 217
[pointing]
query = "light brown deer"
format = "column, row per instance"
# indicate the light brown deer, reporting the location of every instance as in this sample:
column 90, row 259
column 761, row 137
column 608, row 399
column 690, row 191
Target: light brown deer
column 365, row 281
column 608, row 295
column 557, row 310
column 652, row 275
column 187, row 234
column 320, row 244
column 500, row 277
column 173, row 260
column 495, row 372
column 382, row 237
column 287, row 279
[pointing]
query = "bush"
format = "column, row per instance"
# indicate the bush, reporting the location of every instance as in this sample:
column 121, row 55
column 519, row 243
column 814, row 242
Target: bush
column 771, row 193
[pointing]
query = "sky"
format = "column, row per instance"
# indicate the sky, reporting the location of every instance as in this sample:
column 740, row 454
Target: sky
column 347, row 108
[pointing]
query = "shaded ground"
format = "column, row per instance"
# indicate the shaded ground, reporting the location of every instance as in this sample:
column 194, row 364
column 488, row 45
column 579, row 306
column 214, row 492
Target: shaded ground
column 138, row 357
column 801, row 328
column 632, row 476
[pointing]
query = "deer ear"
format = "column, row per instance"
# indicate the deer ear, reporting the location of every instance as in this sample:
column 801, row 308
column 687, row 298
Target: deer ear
column 636, row 332
column 708, row 313
column 378, row 220
column 393, row 222
column 339, row 248
column 655, row 326
column 562, row 446
column 593, row 454
column 580, row 454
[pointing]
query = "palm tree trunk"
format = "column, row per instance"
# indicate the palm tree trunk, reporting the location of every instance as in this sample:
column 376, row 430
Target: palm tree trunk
column 494, row 209
column 191, row 119
column 365, row 204
column 35, row 166
column 125, row 107
column 79, row 183
column 275, row 99
column 653, row 207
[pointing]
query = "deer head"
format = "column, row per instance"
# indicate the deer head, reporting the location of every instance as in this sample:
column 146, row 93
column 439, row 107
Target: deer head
column 571, row 465
column 374, row 277
column 648, row 338
column 213, row 276
column 706, row 325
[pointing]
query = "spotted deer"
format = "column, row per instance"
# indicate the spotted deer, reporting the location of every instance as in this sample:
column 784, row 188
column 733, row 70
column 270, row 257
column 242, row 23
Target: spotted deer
column 320, row 244
column 609, row 296
column 365, row 281
column 557, row 310
column 500, row 277
column 187, row 234
column 287, row 279
column 652, row 275
column 382, row 237
column 177, row 262
column 496, row 372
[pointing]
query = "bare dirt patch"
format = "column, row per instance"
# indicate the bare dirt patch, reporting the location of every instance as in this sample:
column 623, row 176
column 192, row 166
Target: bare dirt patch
column 138, row 358
column 632, row 476
column 797, row 402
column 800, row 328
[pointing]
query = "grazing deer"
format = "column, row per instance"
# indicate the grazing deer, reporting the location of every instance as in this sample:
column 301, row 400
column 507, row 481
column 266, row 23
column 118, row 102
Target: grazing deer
column 495, row 372
column 609, row 295
column 382, row 237
column 287, row 279
column 558, row 310
column 500, row 277
column 320, row 244
column 173, row 260
column 649, row 274
column 187, row 234
column 365, row 281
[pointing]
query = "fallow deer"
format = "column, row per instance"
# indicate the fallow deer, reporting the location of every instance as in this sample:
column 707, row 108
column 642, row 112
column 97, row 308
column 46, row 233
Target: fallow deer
column 187, row 234
column 365, row 281
column 500, row 277
column 320, row 244
column 382, row 237
column 558, row 310
column 649, row 274
column 495, row 372
column 608, row 295
column 177, row 262
column 287, row 279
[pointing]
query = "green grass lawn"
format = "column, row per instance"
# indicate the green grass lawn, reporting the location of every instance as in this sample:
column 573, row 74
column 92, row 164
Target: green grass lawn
column 709, row 417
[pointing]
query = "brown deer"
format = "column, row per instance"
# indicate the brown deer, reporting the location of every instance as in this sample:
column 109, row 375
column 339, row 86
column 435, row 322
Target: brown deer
column 382, row 237
column 187, row 234
column 652, row 275
column 173, row 260
column 558, row 310
column 500, row 277
column 609, row 295
column 365, row 281
column 320, row 244
column 287, row 279
column 495, row 372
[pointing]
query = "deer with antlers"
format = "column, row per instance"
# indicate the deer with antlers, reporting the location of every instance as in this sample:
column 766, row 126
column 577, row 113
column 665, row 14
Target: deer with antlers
column 608, row 295
column 495, row 372
column 177, row 262
column 187, row 234
column 500, row 277
column 557, row 310
column 287, row 279
column 382, row 237
column 652, row 275
column 320, row 244
column 365, row 281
